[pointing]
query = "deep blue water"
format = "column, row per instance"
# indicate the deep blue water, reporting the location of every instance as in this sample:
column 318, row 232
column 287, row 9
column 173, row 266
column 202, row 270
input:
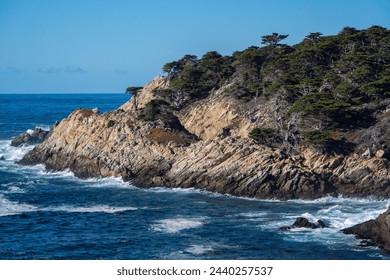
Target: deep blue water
column 57, row 216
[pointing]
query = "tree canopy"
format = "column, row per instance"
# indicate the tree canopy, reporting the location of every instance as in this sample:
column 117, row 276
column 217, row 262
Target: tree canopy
column 133, row 90
column 273, row 39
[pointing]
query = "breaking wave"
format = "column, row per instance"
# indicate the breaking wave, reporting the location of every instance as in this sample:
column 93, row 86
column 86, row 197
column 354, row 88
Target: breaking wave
column 176, row 225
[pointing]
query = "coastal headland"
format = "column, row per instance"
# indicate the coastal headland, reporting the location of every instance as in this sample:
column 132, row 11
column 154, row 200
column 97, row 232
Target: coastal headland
column 276, row 122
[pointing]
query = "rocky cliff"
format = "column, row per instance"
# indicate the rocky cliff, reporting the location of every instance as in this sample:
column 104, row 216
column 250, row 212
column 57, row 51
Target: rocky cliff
column 205, row 145
column 377, row 231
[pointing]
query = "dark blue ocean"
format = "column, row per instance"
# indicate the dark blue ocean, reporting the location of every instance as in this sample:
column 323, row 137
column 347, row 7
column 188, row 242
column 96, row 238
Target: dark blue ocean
column 58, row 216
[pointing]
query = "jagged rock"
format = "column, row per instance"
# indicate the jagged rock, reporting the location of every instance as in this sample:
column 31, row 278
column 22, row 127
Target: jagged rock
column 21, row 139
column 2, row 158
column 376, row 137
column 37, row 136
column 377, row 231
column 321, row 224
column 302, row 222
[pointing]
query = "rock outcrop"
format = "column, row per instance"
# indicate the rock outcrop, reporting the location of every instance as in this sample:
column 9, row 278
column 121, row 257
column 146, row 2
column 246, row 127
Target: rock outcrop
column 377, row 231
column 302, row 222
column 192, row 153
column 35, row 137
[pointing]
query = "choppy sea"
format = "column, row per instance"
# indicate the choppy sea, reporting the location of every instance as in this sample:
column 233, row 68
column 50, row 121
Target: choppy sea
column 58, row 216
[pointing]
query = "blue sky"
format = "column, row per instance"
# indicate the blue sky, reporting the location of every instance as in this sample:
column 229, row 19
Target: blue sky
column 76, row 46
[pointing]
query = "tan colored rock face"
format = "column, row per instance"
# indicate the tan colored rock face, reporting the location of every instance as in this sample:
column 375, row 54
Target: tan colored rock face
column 146, row 95
column 207, row 120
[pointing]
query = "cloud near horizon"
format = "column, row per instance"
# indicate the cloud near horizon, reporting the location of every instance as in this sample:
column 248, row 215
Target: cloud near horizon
column 12, row 70
column 66, row 69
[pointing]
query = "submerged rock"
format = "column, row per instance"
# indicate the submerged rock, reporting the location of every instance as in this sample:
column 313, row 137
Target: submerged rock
column 377, row 231
column 302, row 222
column 37, row 136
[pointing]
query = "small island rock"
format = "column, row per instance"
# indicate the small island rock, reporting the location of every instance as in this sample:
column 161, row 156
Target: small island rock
column 37, row 136
column 302, row 222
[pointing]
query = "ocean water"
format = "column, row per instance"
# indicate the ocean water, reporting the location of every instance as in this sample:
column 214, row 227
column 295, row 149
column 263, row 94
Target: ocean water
column 58, row 216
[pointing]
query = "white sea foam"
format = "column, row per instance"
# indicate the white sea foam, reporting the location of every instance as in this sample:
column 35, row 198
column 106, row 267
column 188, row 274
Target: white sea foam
column 184, row 191
column 89, row 209
column 336, row 200
column 41, row 126
column 44, row 127
column 176, row 190
column 252, row 214
column 56, row 174
column 12, row 154
column 200, row 249
column 176, row 225
column 30, row 131
column 8, row 207
column 13, row 189
column 337, row 213
column 108, row 182
column 208, row 248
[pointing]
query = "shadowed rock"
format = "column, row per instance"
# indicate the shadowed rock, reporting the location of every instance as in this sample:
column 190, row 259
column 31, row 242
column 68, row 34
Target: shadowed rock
column 377, row 231
column 37, row 136
column 302, row 222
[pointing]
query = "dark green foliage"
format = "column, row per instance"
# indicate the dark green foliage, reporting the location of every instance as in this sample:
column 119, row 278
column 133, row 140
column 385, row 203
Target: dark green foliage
column 320, row 109
column 171, row 67
column 263, row 135
column 247, row 74
column 318, row 104
column 317, row 136
column 352, row 65
column 155, row 109
column 273, row 39
column 110, row 123
column 133, row 90
column 193, row 78
column 379, row 88
column 314, row 36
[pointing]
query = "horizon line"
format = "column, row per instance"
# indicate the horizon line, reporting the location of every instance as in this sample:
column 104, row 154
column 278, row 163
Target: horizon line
column 63, row 93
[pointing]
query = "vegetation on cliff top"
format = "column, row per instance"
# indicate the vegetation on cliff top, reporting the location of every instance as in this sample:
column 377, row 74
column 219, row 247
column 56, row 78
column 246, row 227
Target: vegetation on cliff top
column 351, row 67
column 329, row 82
